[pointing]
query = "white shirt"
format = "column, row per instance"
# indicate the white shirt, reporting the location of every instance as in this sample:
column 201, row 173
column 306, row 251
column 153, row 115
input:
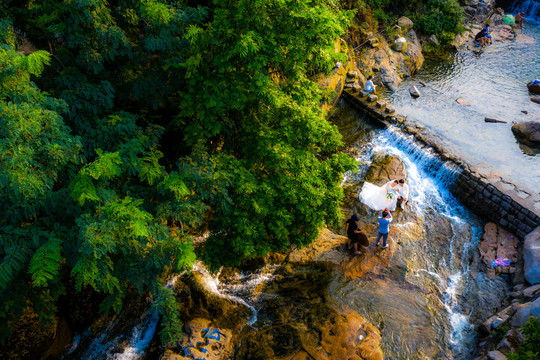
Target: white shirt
column 404, row 191
column 369, row 86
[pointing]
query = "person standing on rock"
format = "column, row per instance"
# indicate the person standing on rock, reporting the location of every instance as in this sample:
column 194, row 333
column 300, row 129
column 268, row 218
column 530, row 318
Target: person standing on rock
column 403, row 193
column 384, row 227
column 370, row 87
column 519, row 19
column 354, row 234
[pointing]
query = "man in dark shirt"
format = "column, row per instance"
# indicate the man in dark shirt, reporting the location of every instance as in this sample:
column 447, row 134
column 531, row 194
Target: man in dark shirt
column 480, row 38
column 355, row 235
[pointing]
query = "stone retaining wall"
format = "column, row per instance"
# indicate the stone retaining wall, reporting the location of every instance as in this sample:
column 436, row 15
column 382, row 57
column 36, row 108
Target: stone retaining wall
column 485, row 192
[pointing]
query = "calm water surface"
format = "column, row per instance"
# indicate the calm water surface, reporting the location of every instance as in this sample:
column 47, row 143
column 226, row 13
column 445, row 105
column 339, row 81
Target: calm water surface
column 493, row 81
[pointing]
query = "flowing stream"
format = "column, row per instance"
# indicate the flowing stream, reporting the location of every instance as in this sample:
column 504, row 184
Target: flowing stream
column 424, row 305
column 425, row 312
column 493, row 82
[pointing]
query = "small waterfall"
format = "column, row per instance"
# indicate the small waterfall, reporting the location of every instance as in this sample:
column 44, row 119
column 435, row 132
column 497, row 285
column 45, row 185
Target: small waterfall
column 531, row 8
column 429, row 177
column 429, row 181
column 443, row 172
column 242, row 289
column 131, row 345
column 128, row 346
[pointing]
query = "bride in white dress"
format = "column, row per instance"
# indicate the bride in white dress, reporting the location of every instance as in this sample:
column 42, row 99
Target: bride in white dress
column 380, row 198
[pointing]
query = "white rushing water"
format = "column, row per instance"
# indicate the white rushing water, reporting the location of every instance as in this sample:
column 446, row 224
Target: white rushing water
column 242, row 290
column 429, row 179
column 531, row 8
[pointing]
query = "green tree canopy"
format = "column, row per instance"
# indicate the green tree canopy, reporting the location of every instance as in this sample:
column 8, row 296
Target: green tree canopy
column 158, row 119
column 249, row 99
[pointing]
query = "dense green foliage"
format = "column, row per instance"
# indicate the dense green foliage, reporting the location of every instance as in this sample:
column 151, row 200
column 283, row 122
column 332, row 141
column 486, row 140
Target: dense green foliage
column 131, row 125
column 440, row 17
column 530, row 350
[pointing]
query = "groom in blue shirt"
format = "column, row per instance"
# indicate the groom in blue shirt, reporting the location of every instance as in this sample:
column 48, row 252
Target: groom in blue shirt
column 384, row 224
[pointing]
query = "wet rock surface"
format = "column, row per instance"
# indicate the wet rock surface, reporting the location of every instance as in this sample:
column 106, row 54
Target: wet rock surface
column 297, row 321
column 531, row 257
column 528, row 132
column 384, row 168
column 497, row 243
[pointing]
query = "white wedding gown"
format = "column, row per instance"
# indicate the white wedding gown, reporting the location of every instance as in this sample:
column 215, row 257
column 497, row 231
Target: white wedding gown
column 376, row 197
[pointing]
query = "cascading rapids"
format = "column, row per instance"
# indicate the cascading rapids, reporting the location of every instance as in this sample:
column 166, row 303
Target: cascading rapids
column 531, row 8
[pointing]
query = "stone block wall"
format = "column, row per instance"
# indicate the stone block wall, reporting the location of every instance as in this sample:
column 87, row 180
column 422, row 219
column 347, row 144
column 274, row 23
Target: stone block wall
column 497, row 200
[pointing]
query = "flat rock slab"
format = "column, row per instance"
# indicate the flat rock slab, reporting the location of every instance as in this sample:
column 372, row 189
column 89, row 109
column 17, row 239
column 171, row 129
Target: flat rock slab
column 496, row 355
column 390, row 109
column 536, row 100
column 493, row 119
column 530, row 291
column 380, row 104
column 462, row 101
column 372, row 98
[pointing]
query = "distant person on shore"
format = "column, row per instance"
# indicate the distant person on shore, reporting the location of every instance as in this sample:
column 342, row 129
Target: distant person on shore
column 355, row 235
column 384, row 227
column 369, row 87
column 403, row 193
column 520, row 18
column 488, row 40
column 480, row 38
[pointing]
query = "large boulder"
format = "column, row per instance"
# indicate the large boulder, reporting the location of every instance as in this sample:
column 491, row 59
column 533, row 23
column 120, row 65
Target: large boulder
column 531, row 257
column 525, row 311
column 389, row 76
column 413, row 57
column 400, row 44
column 405, row 23
column 413, row 38
column 484, row 8
column 385, row 168
column 527, row 132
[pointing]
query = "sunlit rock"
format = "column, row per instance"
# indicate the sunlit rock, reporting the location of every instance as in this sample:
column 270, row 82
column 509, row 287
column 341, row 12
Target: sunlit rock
column 527, row 132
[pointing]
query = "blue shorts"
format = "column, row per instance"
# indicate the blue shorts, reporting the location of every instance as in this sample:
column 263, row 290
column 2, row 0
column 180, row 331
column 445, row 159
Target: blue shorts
column 369, row 90
column 489, row 36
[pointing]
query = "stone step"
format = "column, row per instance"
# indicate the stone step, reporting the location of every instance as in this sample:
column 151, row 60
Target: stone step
column 381, row 104
column 372, row 98
column 390, row 109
